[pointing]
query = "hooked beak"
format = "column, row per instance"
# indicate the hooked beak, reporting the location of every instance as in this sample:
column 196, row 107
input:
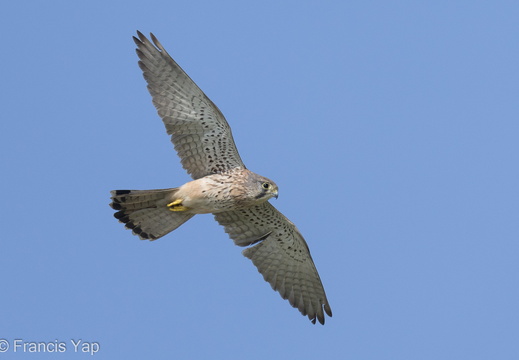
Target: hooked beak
column 276, row 193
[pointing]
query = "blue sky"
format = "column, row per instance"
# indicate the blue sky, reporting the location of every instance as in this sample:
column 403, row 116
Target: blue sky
column 391, row 129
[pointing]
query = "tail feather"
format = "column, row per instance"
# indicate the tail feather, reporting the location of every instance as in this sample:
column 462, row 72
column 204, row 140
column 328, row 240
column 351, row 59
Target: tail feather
column 145, row 212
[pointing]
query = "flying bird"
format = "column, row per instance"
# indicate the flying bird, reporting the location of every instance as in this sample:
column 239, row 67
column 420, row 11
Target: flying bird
column 221, row 185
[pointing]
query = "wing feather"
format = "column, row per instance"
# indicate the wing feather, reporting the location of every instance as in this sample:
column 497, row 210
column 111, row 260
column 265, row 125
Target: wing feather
column 281, row 255
column 201, row 135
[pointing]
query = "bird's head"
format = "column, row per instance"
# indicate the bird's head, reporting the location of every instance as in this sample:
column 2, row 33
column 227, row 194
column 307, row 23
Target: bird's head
column 265, row 189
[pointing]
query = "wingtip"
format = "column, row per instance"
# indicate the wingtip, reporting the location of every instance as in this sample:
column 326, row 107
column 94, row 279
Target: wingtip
column 157, row 42
column 328, row 309
column 141, row 36
column 321, row 318
column 141, row 39
column 319, row 315
column 137, row 39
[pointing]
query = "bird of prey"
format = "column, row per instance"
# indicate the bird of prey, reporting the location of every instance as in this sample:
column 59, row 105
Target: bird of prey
column 222, row 186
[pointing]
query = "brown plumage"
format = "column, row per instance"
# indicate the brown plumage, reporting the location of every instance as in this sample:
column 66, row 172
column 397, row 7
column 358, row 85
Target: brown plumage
column 222, row 185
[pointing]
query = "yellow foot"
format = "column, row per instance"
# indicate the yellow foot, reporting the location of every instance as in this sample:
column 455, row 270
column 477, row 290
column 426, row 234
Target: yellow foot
column 177, row 206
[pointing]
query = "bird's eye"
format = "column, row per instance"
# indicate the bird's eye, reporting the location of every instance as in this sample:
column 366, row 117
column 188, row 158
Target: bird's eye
column 265, row 185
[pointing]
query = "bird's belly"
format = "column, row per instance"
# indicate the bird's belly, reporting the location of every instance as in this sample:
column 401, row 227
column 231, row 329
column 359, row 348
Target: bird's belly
column 206, row 205
column 207, row 195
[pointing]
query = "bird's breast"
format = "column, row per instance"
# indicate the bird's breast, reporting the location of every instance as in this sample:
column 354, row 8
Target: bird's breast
column 213, row 194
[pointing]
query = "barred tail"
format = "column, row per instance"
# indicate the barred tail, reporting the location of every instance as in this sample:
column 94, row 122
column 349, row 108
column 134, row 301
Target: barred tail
column 145, row 212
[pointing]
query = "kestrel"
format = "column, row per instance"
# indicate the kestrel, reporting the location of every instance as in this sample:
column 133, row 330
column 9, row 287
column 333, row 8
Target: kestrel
column 222, row 186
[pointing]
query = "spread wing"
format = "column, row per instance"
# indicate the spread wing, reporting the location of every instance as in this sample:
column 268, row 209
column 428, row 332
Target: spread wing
column 281, row 255
column 200, row 133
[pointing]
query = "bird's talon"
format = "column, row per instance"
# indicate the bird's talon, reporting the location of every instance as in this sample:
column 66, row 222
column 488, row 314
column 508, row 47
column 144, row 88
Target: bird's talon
column 176, row 206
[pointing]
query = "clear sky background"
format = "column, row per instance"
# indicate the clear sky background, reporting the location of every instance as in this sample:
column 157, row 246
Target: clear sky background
column 391, row 128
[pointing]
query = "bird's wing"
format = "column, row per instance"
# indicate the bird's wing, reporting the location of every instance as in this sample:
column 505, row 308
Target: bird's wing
column 281, row 255
column 198, row 129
